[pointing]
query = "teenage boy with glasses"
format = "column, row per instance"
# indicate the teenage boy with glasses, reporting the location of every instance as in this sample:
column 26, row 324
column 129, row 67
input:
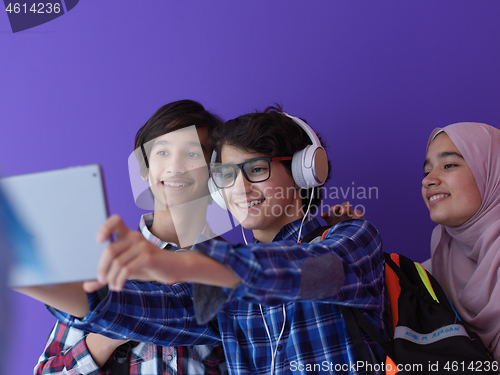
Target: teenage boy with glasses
column 275, row 299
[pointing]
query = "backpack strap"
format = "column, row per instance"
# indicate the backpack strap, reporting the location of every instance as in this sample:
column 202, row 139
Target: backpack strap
column 120, row 364
column 355, row 319
column 159, row 359
column 353, row 328
column 393, row 289
column 424, row 276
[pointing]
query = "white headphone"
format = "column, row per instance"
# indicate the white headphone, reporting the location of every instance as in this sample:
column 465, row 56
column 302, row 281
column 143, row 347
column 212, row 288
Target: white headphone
column 309, row 165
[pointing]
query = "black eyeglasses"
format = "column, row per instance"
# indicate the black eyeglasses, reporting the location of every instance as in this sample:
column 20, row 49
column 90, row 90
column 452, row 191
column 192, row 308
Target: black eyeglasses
column 254, row 170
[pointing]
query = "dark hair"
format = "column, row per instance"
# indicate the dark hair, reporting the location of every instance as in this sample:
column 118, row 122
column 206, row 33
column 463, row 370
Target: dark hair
column 171, row 117
column 270, row 133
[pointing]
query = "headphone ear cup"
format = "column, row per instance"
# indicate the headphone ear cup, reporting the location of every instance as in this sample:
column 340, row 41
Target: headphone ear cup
column 298, row 170
column 216, row 194
column 310, row 167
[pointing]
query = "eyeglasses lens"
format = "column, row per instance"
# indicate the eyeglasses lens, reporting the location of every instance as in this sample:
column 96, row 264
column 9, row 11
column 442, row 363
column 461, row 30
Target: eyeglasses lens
column 256, row 170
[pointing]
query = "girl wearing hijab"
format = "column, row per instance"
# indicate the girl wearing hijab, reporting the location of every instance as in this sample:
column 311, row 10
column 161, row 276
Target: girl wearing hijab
column 461, row 188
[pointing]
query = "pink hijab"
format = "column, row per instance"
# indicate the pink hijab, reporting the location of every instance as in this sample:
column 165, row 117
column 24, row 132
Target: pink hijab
column 466, row 258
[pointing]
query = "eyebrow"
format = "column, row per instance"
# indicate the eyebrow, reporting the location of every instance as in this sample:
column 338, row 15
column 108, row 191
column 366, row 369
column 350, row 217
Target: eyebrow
column 443, row 155
column 189, row 144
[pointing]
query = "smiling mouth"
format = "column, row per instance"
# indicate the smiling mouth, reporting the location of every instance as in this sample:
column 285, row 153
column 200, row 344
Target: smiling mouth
column 176, row 184
column 438, row 196
column 249, row 204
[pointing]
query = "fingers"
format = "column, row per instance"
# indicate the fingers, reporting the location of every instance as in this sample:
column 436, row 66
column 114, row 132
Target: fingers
column 135, row 263
column 112, row 268
column 357, row 214
column 130, row 257
column 332, row 210
column 138, row 264
column 341, row 212
column 145, row 261
column 353, row 214
column 342, row 209
column 113, row 224
column 338, row 209
column 113, row 251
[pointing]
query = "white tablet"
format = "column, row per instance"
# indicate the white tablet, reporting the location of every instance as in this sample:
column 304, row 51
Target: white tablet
column 62, row 211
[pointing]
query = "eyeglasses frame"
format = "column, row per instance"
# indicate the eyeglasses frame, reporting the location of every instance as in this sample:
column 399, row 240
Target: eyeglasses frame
column 240, row 167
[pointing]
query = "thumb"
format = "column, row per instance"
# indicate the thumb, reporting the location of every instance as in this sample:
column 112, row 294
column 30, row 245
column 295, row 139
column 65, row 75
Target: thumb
column 92, row 286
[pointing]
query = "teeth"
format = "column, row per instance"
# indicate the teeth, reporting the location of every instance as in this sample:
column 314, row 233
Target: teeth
column 249, row 204
column 176, row 184
column 437, row 196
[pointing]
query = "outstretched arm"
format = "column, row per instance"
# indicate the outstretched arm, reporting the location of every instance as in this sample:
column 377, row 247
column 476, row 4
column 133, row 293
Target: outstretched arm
column 131, row 256
column 103, row 311
column 268, row 273
column 70, row 298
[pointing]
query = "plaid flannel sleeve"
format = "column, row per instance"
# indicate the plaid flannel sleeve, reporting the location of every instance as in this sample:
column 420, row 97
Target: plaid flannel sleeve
column 346, row 267
column 66, row 352
column 153, row 312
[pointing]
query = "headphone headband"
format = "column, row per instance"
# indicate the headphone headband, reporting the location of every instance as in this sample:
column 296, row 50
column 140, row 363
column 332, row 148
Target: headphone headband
column 312, row 135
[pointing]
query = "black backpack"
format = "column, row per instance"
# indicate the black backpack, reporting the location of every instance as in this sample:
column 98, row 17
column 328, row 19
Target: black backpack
column 428, row 335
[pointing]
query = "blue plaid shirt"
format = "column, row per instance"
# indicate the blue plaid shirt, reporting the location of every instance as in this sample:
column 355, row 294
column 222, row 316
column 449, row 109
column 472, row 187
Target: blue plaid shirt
column 308, row 279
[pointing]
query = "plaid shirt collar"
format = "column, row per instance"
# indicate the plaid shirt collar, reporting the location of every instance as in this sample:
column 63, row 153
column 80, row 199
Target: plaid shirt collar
column 146, row 223
column 290, row 232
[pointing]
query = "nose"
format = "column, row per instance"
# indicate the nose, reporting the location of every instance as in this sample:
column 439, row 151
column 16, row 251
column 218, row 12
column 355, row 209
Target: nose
column 241, row 184
column 431, row 179
column 176, row 164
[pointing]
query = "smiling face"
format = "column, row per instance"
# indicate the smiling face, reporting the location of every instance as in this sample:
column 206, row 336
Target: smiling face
column 264, row 207
column 448, row 188
column 178, row 171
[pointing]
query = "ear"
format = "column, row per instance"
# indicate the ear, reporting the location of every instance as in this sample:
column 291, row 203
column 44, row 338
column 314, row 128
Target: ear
column 144, row 174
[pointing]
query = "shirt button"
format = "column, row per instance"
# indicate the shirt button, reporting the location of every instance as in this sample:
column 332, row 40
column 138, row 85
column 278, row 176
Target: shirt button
column 279, row 348
column 169, row 357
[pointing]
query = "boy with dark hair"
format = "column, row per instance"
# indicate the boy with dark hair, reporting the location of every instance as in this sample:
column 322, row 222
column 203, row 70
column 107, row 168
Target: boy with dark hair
column 276, row 300
column 180, row 129
column 268, row 133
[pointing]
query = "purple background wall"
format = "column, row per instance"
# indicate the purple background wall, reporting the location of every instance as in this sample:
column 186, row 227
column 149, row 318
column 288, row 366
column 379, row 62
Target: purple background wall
column 374, row 77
